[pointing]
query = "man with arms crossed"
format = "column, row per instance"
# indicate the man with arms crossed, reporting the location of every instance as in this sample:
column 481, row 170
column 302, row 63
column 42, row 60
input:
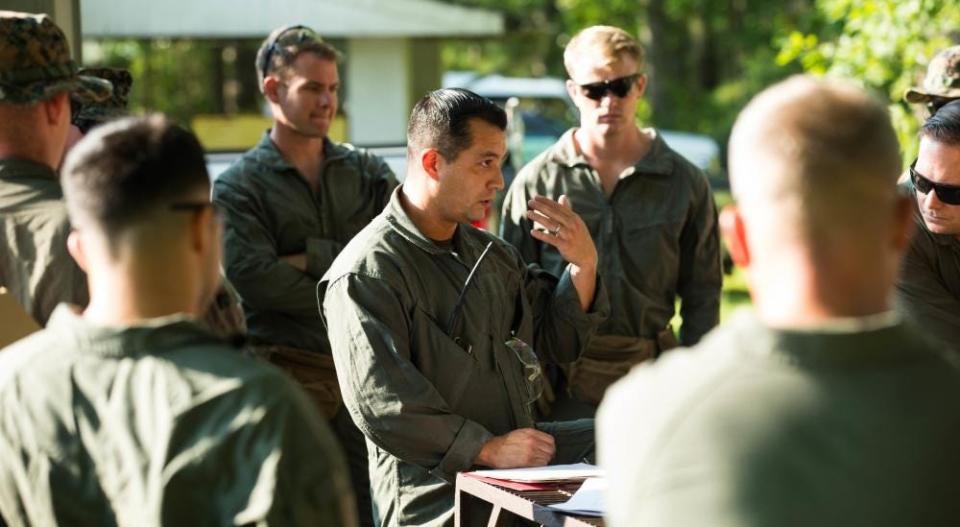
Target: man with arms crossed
column 132, row 414
column 649, row 210
column 434, row 323
column 819, row 406
column 291, row 203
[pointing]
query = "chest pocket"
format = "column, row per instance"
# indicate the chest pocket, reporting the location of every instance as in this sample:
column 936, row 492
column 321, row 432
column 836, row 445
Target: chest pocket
column 442, row 360
column 650, row 241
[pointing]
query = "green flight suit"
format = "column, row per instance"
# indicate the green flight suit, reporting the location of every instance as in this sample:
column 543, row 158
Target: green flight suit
column 427, row 389
column 34, row 263
column 847, row 424
column 928, row 292
column 656, row 238
column 271, row 211
column 160, row 423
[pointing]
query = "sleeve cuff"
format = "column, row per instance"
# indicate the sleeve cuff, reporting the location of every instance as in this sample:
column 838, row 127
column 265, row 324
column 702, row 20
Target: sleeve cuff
column 569, row 302
column 464, row 449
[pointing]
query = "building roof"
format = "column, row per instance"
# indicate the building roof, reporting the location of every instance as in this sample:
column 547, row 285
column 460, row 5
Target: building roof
column 256, row 18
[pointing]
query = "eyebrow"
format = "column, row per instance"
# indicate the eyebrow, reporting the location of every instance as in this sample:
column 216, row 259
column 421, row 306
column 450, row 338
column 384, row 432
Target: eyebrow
column 491, row 153
column 312, row 84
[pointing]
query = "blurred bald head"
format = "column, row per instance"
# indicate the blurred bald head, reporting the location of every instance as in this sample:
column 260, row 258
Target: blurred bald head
column 813, row 168
column 819, row 155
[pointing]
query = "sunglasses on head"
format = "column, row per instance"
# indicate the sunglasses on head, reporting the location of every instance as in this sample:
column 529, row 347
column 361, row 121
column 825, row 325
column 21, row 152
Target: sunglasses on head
column 619, row 87
column 949, row 194
column 300, row 34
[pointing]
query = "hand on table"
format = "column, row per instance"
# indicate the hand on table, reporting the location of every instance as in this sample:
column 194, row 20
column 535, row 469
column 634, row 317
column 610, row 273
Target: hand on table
column 525, row 447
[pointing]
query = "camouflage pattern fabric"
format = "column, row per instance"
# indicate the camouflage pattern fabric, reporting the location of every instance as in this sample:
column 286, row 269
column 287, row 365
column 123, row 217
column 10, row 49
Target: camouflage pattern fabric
column 35, row 62
column 942, row 80
column 111, row 108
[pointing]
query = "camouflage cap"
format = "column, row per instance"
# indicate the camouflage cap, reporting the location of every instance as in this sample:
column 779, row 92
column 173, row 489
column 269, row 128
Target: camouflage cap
column 942, row 80
column 35, row 62
column 110, row 108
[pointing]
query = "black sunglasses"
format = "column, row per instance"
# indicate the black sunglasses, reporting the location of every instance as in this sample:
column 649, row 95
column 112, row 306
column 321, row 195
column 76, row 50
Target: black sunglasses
column 303, row 34
column 619, row 87
column 949, row 194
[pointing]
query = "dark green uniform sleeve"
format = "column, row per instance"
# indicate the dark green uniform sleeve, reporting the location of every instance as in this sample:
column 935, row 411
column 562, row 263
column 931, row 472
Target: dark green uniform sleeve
column 700, row 277
column 561, row 327
column 389, row 399
column 924, row 298
column 251, row 261
column 515, row 226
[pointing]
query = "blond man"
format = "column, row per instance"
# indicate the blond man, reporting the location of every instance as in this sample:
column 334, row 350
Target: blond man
column 649, row 210
column 819, row 407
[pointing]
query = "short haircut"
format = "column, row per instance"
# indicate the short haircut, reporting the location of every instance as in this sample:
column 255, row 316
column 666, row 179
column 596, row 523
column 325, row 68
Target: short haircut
column 822, row 154
column 281, row 48
column 124, row 171
column 611, row 43
column 944, row 126
column 441, row 120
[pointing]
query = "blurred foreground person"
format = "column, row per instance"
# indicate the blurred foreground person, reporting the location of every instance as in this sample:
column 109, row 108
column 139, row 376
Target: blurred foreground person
column 820, row 407
column 131, row 413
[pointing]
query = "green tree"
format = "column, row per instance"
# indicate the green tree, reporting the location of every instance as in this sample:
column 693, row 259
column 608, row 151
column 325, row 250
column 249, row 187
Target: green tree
column 883, row 44
column 705, row 58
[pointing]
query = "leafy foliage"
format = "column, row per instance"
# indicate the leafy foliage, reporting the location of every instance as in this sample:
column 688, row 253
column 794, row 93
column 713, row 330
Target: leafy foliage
column 707, row 58
column 883, row 44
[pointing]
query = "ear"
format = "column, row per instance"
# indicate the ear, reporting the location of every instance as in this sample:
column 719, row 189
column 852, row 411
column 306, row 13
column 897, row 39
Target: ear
column 76, row 249
column 56, row 107
column 571, row 89
column 430, row 160
column 201, row 230
column 642, row 85
column 735, row 234
column 903, row 222
column 270, row 87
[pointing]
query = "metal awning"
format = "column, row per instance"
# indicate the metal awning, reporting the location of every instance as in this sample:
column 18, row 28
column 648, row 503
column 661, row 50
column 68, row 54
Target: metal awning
column 256, row 18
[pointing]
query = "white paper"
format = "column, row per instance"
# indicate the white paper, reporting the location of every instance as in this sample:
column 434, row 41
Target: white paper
column 541, row 474
column 588, row 501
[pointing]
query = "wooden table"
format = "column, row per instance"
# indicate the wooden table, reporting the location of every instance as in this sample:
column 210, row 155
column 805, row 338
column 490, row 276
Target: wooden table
column 476, row 497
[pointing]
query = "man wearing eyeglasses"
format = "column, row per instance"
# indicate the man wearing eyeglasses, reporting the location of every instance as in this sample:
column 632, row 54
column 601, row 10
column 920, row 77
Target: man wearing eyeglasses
column 941, row 84
column 131, row 413
column 437, row 327
column 291, row 204
column 649, row 210
column 35, row 91
column 929, row 287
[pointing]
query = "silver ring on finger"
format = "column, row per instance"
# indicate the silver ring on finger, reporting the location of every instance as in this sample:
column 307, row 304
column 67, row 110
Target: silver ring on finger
column 556, row 232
